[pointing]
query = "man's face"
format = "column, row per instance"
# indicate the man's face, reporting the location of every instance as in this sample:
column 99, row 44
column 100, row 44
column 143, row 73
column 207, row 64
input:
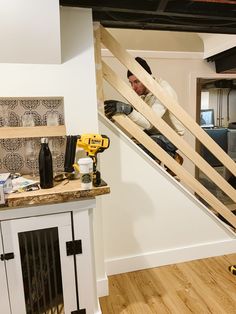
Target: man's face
column 137, row 86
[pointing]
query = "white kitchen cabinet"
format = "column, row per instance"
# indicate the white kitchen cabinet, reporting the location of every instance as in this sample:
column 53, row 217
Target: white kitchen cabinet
column 47, row 259
column 4, row 299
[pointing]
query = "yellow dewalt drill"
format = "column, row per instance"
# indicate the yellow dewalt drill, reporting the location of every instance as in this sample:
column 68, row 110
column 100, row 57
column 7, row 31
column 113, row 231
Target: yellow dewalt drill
column 94, row 144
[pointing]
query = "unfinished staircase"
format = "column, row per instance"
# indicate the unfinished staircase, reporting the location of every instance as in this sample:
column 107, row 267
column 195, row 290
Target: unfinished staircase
column 104, row 71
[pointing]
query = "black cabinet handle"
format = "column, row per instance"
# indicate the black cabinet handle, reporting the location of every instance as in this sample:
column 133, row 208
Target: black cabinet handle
column 7, row 256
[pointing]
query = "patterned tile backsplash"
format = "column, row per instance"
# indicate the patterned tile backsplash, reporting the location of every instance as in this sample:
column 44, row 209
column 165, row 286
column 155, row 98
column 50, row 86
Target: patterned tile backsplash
column 21, row 154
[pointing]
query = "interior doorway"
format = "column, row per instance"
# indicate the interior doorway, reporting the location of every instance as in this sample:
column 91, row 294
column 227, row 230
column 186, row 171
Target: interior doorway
column 216, row 114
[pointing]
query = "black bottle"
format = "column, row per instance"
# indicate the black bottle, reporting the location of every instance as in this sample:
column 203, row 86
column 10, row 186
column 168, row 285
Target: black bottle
column 45, row 165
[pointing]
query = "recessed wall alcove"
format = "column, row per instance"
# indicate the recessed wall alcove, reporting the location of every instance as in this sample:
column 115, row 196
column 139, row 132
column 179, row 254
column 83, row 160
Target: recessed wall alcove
column 13, row 150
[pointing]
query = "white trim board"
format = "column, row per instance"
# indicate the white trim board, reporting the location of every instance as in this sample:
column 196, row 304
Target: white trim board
column 151, row 54
column 102, row 287
column 167, row 257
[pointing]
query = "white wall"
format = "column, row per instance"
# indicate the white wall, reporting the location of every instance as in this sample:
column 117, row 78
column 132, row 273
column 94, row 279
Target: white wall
column 30, row 31
column 155, row 40
column 78, row 72
column 74, row 79
column 149, row 219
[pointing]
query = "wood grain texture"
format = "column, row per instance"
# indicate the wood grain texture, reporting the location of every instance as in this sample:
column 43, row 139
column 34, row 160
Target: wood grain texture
column 98, row 64
column 30, row 132
column 200, row 286
column 64, row 191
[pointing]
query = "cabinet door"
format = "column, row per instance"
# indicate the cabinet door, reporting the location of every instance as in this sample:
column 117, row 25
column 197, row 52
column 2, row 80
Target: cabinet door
column 41, row 277
column 4, row 298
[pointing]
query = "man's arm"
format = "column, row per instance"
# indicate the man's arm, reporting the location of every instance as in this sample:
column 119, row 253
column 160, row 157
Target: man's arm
column 113, row 107
column 140, row 120
column 155, row 105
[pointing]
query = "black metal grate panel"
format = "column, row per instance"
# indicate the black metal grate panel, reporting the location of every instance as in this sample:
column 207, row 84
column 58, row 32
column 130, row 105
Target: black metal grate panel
column 41, row 270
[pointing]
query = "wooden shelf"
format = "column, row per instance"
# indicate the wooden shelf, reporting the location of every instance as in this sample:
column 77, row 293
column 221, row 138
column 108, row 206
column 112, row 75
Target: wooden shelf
column 65, row 191
column 28, row 132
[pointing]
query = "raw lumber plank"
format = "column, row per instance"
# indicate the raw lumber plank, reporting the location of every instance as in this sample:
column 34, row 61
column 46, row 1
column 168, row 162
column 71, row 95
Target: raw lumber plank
column 232, row 206
column 98, row 64
column 36, row 131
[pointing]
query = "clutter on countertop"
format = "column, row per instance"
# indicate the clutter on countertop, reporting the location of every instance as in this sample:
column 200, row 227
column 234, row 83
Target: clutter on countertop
column 86, row 172
column 45, row 165
column 94, row 144
column 63, row 191
column 5, row 186
column 22, row 184
column 84, row 169
column 70, row 152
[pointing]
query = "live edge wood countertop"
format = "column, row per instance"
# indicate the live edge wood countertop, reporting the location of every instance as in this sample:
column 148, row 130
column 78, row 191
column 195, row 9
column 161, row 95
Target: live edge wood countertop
column 64, row 191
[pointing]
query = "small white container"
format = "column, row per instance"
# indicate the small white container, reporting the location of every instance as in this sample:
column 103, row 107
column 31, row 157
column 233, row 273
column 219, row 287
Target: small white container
column 86, row 173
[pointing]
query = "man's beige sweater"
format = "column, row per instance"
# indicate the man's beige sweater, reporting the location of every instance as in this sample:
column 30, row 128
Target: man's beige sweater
column 159, row 109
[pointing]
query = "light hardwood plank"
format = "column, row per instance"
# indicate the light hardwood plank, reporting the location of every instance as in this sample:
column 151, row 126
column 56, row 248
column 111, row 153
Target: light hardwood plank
column 200, row 286
column 35, row 131
column 98, row 63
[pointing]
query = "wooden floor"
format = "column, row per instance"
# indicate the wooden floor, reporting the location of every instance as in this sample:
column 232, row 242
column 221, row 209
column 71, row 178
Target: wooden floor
column 201, row 286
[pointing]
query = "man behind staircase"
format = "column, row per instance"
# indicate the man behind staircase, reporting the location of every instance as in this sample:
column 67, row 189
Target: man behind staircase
column 113, row 107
